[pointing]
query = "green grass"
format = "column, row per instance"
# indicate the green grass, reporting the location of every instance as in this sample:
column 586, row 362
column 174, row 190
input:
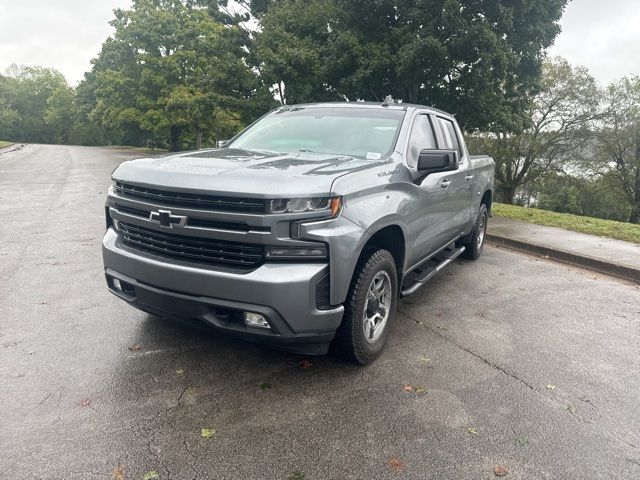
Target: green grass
column 5, row 144
column 595, row 226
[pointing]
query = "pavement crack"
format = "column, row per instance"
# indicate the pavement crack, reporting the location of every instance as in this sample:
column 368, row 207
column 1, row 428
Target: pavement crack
column 179, row 402
column 471, row 352
column 634, row 461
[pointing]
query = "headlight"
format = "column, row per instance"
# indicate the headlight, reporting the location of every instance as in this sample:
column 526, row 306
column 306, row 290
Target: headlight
column 299, row 205
column 315, row 251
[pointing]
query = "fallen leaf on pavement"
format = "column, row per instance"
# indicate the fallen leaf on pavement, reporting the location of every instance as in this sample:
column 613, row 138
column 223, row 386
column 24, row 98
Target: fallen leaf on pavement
column 134, row 348
column 551, row 387
column 151, row 475
column 396, row 464
column 521, row 441
column 179, row 371
column 442, row 329
column 86, row 402
column 207, row 432
column 408, row 388
column 419, row 390
column 472, row 431
column 118, row 473
column 571, row 409
column 500, row 471
column 265, row 385
column 297, row 475
column 304, row 364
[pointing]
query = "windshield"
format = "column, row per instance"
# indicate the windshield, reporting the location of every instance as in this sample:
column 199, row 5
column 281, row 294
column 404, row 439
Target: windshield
column 359, row 132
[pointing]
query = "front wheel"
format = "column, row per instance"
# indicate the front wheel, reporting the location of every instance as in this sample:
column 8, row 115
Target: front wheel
column 474, row 242
column 370, row 307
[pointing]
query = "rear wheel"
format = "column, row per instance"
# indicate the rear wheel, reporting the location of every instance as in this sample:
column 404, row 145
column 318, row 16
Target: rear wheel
column 370, row 307
column 474, row 242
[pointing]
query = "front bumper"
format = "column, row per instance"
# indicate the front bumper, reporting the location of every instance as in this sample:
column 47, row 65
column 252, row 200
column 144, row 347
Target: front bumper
column 285, row 293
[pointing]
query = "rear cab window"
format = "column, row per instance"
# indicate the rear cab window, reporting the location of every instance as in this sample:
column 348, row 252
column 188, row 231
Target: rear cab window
column 449, row 135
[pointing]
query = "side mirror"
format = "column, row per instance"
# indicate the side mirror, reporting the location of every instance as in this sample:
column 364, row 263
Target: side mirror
column 433, row 161
column 221, row 143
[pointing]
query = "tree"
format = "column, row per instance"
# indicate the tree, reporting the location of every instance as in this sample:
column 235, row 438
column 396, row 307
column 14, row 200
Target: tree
column 172, row 70
column 479, row 60
column 618, row 152
column 561, row 117
column 9, row 118
column 59, row 114
column 593, row 196
column 25, row 93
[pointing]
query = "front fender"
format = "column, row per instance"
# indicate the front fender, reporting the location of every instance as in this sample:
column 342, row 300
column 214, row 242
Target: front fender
column 345, row 240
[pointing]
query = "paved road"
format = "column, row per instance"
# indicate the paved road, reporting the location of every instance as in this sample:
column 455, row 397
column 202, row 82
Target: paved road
column 524, row 363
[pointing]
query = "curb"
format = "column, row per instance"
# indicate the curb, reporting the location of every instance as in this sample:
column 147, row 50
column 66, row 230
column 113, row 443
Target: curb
column 11, row 148
column 596, row 264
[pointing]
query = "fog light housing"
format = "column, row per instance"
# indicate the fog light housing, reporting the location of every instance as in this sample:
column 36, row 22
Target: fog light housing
column 255, row 320
column 116, row 284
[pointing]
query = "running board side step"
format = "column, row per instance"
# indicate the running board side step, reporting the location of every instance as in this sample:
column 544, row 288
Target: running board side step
column 422, row 274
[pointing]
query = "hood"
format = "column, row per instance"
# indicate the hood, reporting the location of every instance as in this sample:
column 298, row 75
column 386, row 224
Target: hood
column 229, row 170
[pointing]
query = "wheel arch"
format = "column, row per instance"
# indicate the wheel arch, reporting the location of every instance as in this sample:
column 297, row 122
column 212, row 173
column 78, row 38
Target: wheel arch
column 487, row 199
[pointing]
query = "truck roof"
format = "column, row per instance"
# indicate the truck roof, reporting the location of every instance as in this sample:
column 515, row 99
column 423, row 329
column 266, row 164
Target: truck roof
column 393, row 106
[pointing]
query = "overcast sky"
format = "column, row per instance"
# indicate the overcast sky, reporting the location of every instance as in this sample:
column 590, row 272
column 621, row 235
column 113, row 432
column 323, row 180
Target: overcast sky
column 65, row 34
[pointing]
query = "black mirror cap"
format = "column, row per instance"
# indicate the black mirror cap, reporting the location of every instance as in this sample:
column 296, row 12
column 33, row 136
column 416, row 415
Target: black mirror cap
column 433, row 161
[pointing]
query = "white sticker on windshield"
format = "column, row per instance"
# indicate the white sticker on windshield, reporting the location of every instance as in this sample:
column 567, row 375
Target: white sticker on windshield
column 373, row 155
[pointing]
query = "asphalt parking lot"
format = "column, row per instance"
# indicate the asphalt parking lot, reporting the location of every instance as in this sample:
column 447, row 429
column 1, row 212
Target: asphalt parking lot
column 511, row 361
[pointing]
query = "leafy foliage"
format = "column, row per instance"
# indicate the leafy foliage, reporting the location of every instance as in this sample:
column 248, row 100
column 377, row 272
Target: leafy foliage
column 479, row 60
column 174, row 69
column 618, row 153
column 561, row 114
column 24, row 96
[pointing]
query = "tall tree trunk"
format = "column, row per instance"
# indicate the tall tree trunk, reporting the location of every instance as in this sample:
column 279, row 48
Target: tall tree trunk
column 634, row 216
column 506, row 194
column 199, row 137
column 175, row 138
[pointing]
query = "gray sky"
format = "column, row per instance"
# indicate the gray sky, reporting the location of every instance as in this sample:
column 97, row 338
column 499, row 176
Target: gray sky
column 602, row 35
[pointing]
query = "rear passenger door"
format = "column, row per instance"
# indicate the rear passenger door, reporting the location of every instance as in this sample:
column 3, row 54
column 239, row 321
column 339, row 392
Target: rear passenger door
column 457, row 184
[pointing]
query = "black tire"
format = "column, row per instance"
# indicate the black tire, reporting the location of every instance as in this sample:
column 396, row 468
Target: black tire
column 351, row 340
column 474, row 242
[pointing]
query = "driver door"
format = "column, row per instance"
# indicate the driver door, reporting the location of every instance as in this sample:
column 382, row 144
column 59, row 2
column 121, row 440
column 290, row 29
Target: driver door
column 430, row 219
column 460, row 189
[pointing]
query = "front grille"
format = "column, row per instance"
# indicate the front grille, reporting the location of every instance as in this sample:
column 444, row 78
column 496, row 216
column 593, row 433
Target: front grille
column 181, row 199
column 198, row 222
column 211, row 252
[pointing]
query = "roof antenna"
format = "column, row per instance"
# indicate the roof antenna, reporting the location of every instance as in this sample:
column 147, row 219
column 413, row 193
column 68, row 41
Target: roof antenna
column 388, row 100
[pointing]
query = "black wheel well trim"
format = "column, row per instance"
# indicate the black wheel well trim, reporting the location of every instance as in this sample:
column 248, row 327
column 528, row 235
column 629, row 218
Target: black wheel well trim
column 390, row 237
column 487, row 199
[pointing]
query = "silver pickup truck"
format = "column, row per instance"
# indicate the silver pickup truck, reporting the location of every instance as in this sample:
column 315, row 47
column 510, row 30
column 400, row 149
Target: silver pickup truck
column 305, row 229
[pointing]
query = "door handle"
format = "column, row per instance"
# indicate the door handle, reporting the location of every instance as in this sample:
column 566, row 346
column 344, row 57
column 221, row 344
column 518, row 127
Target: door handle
column 468, row 178
column 445, row 183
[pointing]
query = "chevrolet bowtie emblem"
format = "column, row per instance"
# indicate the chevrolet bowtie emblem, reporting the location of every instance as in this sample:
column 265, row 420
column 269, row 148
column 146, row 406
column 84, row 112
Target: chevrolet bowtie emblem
column 166, row 219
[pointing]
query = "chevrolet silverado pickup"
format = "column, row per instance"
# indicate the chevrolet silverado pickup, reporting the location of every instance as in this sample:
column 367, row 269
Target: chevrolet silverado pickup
column 305, row 229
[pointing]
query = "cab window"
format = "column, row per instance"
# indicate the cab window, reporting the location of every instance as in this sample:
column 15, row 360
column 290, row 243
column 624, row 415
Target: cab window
column 449, row 134
column 422, row 136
